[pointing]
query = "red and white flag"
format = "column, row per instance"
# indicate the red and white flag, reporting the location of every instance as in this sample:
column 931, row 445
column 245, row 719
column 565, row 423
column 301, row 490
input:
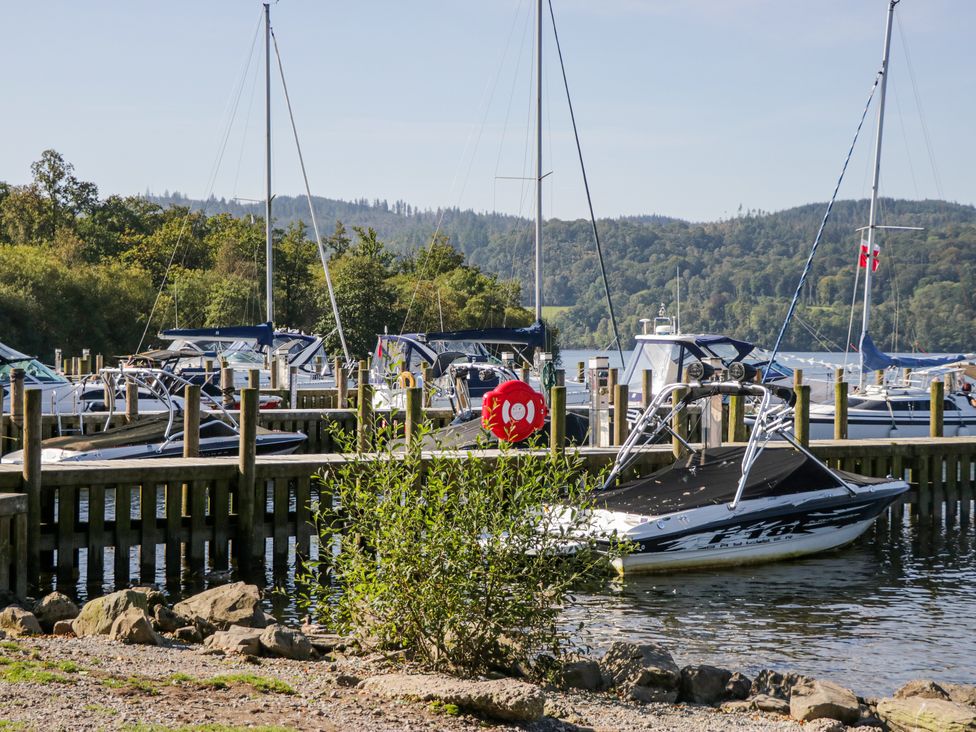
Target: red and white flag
column 862, row 260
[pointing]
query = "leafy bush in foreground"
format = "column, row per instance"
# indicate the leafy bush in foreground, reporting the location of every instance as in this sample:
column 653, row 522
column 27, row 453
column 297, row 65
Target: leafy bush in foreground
column 458, row 561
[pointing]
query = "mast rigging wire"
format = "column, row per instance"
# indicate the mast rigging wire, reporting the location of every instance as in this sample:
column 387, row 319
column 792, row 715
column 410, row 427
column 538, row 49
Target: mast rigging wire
column 311, row 208
column 586, row 185
column 820, row 231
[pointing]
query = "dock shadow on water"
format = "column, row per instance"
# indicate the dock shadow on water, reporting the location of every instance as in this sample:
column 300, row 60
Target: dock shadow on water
column 894, row 606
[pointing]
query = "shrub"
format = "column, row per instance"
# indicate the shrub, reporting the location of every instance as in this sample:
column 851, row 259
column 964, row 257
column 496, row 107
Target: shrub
column 458, row 559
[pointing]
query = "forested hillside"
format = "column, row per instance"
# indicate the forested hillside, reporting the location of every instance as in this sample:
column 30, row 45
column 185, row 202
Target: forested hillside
column 78, row 270
column 736, row 275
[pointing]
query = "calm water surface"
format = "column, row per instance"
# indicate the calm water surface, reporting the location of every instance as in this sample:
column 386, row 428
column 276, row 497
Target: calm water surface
column 899, row 604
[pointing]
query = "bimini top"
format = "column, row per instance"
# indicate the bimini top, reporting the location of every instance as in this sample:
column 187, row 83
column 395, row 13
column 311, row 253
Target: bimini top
column 531, row 335
column 263, row 333
column 711, row 477
column 702, row 345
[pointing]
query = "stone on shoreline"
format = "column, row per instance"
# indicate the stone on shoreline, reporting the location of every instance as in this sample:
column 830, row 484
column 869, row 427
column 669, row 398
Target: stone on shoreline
column 234, row 604
column 154, row 596
column 920, row 714
column 63, row 627
column 704, row 684
column 815, row 699
column 923, row 688
column 133, row 626
column 504, row 699
column 581, row 674
column 642, row 672
column 774, row 683
column 167, row 621
column 54, row 607
column 236, row 639
column 98, row 615
column 188, row 634
column 17, row 621
column 768, row 703
column 278, row 640
column 961, row 693
column 738, row 687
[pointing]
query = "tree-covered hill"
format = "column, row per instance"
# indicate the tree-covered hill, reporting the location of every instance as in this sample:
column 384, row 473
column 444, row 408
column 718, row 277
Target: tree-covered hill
column 736, row 275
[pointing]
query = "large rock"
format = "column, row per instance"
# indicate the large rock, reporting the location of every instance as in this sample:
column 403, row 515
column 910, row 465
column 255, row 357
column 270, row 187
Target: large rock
column 738, row 687
column 815, row 699
column 154, row 596
column 581, row 674
column 54, row 607
column 504, row 699
column 774, row 683
column 961, row 693
column 98, row 615
column 17, row 621
column 133, row 626
column 922, row 688
column 918, row 714
column 769, row 703
column 236, row 639
column 167, row 621
column 704, row 684
column 642, row 672
column 277, row 640
column 234, row 604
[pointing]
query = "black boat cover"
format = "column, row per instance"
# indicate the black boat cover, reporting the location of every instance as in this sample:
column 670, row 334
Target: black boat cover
column 711, row 477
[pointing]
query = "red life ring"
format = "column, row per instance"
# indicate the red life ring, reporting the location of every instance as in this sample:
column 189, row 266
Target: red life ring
column 513, row 411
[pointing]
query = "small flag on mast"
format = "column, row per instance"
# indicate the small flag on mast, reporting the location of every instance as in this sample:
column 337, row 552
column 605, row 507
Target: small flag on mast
column 862, row 260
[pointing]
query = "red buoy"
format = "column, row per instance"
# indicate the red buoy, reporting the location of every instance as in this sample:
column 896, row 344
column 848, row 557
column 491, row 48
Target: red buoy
column 513, row 411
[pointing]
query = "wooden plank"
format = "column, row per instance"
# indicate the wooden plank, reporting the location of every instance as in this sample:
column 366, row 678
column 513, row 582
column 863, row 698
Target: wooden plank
column 952, row 483
column 280, row 496
column 199, row 532
column 220, row 511
column 148, row 534
column 67, row 517
column 303, row 515
column 924, row 487
column 98, row 539
column 123, row 533
column 174, row 522
column 6, row 552
column 20, row 554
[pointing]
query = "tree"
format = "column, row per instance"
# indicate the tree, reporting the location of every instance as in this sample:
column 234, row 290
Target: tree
column 66, row 196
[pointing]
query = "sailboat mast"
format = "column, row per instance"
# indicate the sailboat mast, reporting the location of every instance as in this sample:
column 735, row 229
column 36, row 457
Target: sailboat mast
column 538, row 166
column 268, row 250
column 873, row 213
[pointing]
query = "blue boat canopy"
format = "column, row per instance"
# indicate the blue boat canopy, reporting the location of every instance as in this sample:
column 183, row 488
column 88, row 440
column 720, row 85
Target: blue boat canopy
column 875, row 360
column 532, row 335
column 262, row 333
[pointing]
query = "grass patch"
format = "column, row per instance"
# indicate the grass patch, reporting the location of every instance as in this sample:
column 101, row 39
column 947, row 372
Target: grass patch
column 10, row 646
column 30, row 672
column 100, row 709
column 224, row 681
column 439, row 707
column 147, row 686
column 7, row 726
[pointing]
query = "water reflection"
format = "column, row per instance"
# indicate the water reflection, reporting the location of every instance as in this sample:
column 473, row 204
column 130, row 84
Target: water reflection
column 894, row 606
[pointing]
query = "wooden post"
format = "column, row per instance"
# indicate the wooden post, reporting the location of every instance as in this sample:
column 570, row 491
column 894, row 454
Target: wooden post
column 99, row 362
column 364, row 411
column 797, row 378
column 32, row 480
column 524, row 374
column 249, row 505
column 647, row 387
column 428, row 373
column 679, row 423
column 840, row 410
column 342, row 386
column 411, row 427
column 131, row 401
column 254, row 379
column 227, row 387
column 801, row 414
column 191, row 420
column 557, row 420
column 879, row 378
column 17, row 397
column 580, row 371
column 273, row 368
column 838, row 375
column 936, row 408
column 620, row 414
column 612, row 385
column 737, row 418
column 76, row 366
column 293, row 387
column 560, row 377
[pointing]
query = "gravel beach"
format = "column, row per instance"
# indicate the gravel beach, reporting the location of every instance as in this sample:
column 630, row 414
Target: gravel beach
column 62, row 683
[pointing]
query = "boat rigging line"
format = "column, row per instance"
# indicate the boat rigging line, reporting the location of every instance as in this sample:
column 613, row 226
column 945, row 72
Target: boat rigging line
column 826, row 217
column 586, row 186
column 311, row 208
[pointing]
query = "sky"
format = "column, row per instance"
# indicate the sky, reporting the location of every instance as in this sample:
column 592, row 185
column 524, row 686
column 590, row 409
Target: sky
column 690, row 109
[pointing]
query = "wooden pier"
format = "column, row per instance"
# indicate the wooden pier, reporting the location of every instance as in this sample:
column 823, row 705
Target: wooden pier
column 136, row 521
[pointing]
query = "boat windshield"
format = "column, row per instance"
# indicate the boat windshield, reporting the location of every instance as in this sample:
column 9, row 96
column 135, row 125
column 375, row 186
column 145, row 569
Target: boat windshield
column 663, row 359
column 468, row 348
column 34, row 370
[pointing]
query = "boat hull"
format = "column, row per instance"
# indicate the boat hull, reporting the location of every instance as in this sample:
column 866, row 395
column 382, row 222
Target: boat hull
column 758, row 531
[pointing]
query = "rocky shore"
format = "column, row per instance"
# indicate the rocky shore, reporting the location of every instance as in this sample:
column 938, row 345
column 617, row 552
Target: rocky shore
column 215, row 662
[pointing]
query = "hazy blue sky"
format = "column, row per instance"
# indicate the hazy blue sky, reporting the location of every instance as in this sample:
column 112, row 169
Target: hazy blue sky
column 685, row 108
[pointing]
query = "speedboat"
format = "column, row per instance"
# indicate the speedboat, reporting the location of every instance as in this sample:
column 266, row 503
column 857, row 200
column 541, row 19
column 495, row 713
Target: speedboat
column 734, row 505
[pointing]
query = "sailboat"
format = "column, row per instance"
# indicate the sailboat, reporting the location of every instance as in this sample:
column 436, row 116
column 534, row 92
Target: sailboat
column 883, row 410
